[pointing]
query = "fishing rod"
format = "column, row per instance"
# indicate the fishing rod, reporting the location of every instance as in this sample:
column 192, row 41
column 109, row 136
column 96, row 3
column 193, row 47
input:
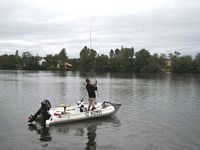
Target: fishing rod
column 91, row 47
column 91, row 32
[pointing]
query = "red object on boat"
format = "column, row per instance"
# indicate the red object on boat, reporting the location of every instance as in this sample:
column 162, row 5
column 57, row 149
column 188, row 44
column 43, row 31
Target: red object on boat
column 56, row 114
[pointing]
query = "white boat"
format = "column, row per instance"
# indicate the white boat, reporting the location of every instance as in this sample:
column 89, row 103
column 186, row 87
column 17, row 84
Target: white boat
column 79, row 112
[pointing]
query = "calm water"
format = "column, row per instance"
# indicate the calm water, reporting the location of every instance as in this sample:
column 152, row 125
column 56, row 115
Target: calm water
column 159, row 112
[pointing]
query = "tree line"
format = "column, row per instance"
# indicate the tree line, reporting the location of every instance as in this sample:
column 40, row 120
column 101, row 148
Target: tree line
column 119, row 60
column 29, row 62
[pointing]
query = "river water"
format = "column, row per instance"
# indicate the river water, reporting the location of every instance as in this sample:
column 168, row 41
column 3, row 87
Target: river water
column 158, row 112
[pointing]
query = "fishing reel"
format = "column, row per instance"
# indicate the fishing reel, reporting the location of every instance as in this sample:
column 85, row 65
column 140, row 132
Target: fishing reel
column 80, row 105
column 79, row 102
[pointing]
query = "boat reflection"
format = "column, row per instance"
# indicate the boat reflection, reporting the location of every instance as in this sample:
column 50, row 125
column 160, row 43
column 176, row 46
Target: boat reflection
column 87, row 128
column 43, row 131
column 80, row 128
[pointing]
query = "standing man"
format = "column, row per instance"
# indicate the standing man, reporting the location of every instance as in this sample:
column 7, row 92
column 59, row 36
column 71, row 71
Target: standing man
column 91, row 88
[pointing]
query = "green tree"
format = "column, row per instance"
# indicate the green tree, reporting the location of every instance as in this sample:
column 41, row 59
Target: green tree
column 127, row 58
column 121, row 59
column 18, row 60
column 75, row 63
column 142, row 60
column 62, row 58
column 196, row 63
column 162, row 62
column 153, row 64
column 87, row 59
column 111, row 54
column 102, row 63
column 29, row 62
column 174, row 63
column 117, row 53
column 183, row 64
column 49, row 62
column 8, row 62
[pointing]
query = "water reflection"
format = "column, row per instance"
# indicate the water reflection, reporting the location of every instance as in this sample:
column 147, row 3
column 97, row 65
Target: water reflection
column 91, row 135
column 43, row 131
column 86, row 129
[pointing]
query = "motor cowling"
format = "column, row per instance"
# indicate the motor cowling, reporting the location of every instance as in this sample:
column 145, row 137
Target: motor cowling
column 46, row 104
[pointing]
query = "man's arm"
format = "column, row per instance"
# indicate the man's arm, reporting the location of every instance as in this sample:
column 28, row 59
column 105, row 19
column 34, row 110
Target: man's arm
column 95, row 85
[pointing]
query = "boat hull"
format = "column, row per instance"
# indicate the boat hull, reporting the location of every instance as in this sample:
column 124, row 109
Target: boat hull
column 73, row 113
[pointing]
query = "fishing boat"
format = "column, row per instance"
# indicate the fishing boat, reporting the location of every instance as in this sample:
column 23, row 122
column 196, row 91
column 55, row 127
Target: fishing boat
column 64, row 113
column 70, row 113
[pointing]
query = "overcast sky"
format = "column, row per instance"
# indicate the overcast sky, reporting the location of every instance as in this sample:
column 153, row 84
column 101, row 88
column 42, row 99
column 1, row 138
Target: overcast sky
column 46, row 26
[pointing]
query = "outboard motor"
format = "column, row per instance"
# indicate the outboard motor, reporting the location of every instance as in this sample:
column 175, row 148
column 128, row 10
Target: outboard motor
column 46, row 105
column 44, row 111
